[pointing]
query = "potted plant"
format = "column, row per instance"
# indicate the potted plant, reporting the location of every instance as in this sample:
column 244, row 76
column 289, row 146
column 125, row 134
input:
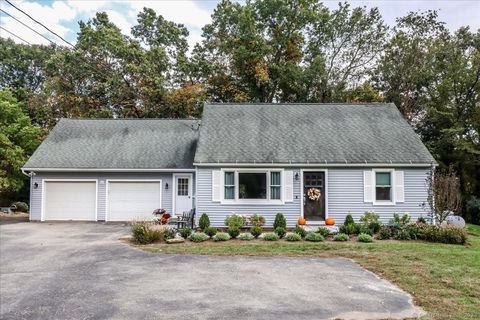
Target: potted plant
column 161, row 216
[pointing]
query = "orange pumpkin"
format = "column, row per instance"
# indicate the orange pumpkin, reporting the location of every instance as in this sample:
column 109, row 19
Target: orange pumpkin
column 302, row 221
column 329, row 221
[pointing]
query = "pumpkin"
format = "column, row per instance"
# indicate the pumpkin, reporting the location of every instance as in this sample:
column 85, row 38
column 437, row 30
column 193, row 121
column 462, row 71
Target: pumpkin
column 329, row 221
column 302, row 221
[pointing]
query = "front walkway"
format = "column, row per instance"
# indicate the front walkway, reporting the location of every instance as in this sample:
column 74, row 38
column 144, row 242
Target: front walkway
column 82, row 271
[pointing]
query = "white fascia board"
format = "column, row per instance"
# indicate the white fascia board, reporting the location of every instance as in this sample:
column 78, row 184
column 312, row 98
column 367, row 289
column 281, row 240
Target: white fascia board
column 105, row 170
column 322, row 165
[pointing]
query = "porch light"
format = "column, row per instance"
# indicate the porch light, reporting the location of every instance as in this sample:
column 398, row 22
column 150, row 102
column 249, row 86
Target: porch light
column 35, row 185
column 296, row 176
column 166, row 186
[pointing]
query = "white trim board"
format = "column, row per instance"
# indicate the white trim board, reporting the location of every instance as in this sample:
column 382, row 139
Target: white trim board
column 104, row 170
column 315, row 165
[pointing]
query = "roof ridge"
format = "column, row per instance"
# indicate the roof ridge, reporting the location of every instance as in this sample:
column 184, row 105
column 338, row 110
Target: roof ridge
column 118, row 119
column 299, row 103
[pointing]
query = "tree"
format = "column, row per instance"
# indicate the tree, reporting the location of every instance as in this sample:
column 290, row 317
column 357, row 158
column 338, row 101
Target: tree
column 443, row 194
column 18, row 139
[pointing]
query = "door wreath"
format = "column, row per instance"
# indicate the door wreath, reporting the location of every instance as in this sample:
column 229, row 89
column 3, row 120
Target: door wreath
column 314, row 194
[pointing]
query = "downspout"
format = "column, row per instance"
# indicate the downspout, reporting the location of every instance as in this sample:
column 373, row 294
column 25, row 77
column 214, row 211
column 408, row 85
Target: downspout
column 30, row 175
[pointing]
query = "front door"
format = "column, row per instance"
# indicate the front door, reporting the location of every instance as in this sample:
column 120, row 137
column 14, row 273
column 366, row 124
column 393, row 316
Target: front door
column 314, row 195
column 183, row 193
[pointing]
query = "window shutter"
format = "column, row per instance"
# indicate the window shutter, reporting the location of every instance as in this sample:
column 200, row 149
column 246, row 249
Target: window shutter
column 216, row 185
column 399, row 187
column 288, row 185
column 367, row 186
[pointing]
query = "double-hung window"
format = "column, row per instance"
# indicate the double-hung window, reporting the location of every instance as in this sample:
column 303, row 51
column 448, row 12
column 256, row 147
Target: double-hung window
column 275, row 185
column 254, row 185
column 383, row 186
column 229, row 185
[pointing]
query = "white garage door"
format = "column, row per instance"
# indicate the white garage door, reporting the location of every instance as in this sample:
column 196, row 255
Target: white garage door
column 72, row 200
column 128, row 200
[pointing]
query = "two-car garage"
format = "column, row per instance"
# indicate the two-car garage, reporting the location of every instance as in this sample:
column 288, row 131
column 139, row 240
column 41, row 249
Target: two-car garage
column 123, row 200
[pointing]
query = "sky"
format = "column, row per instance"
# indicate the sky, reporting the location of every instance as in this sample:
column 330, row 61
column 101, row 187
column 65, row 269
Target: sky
column 62, row 16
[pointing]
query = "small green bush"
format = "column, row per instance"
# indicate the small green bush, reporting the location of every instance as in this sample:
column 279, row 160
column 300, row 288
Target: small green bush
column 299, row 230
column 281, row 232
column 363, row 237
column 198, row 237
column 362, row 228
column 323, row 231
column 369, row 217
column 421, row 220
column 246, row 236
column 279, row 221
column 204, row 221
column 256, row 231
column 233, row 231
column 292, row 236
column 341, row 237
column 402, row 235
column 235, row 220
column 314, row 237
column 257, row 220
column 143, row 233
column 166, row 232
column 399, row 221
column 384, row 233
column 374, row 226
column 415, row 231
column 351, row 228
column 221, row 236
column 349, row 220
column 19, row 207
column 185, row 232
column 271, row 236
column 210, row 231
column 448, row 234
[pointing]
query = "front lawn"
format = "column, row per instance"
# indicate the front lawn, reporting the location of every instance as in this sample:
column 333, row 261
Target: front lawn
column 444, row 279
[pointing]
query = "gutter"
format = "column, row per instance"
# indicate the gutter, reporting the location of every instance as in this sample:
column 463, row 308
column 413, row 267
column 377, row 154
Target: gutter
column 104, row 170
column 322, row 165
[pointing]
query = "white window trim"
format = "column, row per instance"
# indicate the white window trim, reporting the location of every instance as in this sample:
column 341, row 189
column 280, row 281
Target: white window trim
column 392, row 188
column 235, row 201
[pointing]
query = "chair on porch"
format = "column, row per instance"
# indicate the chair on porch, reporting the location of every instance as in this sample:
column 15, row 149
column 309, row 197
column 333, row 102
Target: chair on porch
column 187, row 219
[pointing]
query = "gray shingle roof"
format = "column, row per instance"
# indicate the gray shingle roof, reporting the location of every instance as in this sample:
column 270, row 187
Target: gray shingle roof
column 308, row 133
column 118, row 144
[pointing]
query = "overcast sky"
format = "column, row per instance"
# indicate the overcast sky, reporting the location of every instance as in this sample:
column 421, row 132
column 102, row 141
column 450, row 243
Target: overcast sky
column 63, row 16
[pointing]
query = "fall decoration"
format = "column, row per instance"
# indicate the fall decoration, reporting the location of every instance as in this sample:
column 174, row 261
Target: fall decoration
column 314, row 194
column 162, row 216
column 302, row 221
column 329, row 221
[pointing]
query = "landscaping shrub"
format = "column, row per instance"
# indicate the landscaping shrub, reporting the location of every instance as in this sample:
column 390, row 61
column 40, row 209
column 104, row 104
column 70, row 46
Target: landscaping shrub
column 384, row 233
column 246, row 236
column 271, row 236
column 198, row 237
column 166, row 232
column 257, row 220
column 280, row 231
column 402, row 235
column 314, row 237
column 233, row 231
column 185, row 232
column 143, row 233
column 204, row 221
column 448, row 234
column 221, row 236
column 415, row 230
column 341, row 237
column 363, row 237
column 363, row 228
column 292, row 236
column 399, row 221
column 279, row 221
column 473, row 210
column 421, row 220
column 210, row 231
column 19, row 207
column 374, row 226
column 256, row 231
column 349, row 220
column 323, row 231
column 351, row 228
column 235, row 220
column 369, row 217
column 299, row 230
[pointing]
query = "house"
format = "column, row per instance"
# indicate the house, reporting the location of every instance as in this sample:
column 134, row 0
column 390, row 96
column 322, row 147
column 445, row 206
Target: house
column 310, row 160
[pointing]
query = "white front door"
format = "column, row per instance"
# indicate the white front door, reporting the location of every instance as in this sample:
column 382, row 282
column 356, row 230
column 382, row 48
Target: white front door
column 183, row 193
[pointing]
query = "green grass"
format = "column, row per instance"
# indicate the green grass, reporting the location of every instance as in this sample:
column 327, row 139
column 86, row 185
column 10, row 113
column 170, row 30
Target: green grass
column 443, row 279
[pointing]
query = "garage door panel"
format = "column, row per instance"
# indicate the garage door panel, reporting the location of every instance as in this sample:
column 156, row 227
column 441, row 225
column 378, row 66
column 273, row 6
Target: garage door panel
column 70, row 200
column 132, row 200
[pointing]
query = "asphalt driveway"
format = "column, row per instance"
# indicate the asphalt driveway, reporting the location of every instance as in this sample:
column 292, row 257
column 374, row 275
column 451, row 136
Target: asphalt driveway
column 82, row 271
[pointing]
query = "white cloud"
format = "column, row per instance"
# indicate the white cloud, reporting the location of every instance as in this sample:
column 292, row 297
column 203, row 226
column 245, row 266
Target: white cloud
column 120, row 21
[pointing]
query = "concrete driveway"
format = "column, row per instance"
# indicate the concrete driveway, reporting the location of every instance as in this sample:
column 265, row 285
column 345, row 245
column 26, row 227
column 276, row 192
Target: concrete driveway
column 82, row 271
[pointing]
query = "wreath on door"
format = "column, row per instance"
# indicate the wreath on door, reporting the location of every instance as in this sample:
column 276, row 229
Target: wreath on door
column 314, row 194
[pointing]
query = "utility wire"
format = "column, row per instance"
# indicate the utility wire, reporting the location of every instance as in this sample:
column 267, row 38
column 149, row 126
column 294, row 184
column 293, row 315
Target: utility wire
column 13, row 34
column 39, row 23
column 41, row 35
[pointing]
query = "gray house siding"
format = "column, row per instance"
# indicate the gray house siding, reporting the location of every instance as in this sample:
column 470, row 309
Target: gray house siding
column 344, row 196
column 36, row 194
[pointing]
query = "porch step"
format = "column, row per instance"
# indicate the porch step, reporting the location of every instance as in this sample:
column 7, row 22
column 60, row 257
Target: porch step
column 312, row 228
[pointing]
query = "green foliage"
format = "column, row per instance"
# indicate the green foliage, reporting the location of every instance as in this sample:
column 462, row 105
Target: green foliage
column 341, row 237
column 185, row 232
column 421, row 220
column 143, row 233
column 299, row 230
column 292, row 236
column 399, row 221
column 204, row 221
column 271, row 236
column 246, row 236
column 349, row 220
column 210, row 231
column 402, row 235
column 384, row 233
column 257, row 220
column 235, row 220
column 256, row 231
column 281, row 232
column 19, row 206
column 473, row 210
column 369, row 217
column 279, row 221
column 314, row 237
column 362, row 228
column 323, row 231
column 198, row 237
column 233, row 231
column 221, row 236
column 351, row 228
column 363, row 237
